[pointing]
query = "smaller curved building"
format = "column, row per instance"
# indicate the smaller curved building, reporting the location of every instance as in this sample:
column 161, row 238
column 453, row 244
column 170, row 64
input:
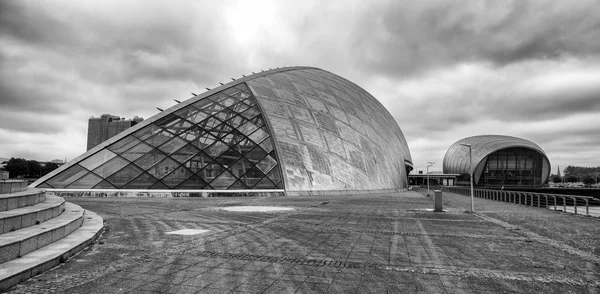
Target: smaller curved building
column 499, row 161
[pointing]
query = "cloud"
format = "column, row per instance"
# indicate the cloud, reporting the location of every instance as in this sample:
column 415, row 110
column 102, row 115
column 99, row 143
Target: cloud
column 397, row 38
column 444, row 69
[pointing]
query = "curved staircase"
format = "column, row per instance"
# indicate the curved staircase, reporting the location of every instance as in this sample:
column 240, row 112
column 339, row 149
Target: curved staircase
column 37, row 232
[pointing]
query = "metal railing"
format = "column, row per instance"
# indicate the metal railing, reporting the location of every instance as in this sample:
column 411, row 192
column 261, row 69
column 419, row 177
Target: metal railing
column 549, row 201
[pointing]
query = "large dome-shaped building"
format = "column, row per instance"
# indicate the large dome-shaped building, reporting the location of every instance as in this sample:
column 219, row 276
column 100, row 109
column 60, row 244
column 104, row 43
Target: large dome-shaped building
column 499, row 161
column 295, row 129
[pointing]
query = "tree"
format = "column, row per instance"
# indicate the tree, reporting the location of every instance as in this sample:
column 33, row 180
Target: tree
column 34, row 169
column 589, row 180
column 50, row 166
column 556, row 179
column 16, row 167
column 571, row 179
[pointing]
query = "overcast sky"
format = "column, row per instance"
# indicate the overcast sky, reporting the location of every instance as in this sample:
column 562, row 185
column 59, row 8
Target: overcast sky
column 444, row 69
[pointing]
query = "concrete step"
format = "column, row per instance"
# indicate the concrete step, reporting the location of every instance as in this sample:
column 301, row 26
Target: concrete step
column 20, row 199
column 43, row 259
column 16, row 219
column 20, row 242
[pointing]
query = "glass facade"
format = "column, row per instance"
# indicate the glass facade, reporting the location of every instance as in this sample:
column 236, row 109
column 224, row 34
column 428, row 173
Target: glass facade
column 219, row 142
column 513, row 167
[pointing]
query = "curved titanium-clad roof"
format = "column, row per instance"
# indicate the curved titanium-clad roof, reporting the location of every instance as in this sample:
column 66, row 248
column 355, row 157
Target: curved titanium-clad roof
column 456, row 160
column 294, row 128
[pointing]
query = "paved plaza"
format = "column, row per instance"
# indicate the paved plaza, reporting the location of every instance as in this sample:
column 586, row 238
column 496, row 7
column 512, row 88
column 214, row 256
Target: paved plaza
column 375, row 243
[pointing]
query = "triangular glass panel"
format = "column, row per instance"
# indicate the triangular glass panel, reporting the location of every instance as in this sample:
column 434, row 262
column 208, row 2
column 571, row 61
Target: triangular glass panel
column 265, row 183
column 227, row 158
column 192, row 183
column 238, row 185
column 192, row 114
column 256, row 155
column 250, row 113
column 216, row 149
column 258, row 121
column 243, row 87
column 239, row 107
column 163, row 168
column 166, row 120
column 97, row 159
column 203, row 103
column 252, row 176
column 123, row 144
column 240, row 167
column 125, row 175
column 160, row 138
column 267, row 145
column 104, row 185
column 210, row 172
column 143, row 181
column 86, row 182
column 159, row 186
column 198, row 162
column 138, row 150
column 223, row 181
column 213, row 108
column 150, row 159
column 172, row 145
column 218, row 97
column 177, row 176
column 147, row 132
column 267, row 164
column 110, row 167
column 184, row 153
column 44, row 185
column 250, row 102
column 275, row 176
column 244, row 146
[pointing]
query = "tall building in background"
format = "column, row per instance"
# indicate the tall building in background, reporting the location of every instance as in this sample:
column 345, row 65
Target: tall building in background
column 106, row 126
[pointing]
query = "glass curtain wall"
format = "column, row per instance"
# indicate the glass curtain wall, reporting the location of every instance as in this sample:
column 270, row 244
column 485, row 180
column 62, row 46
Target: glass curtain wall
column 219, row 142
column 513, row 167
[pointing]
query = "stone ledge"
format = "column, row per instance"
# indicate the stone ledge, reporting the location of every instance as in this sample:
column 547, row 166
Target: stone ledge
column 27, row 216
column 16, row 271
column 20, row 199
column 18, row 243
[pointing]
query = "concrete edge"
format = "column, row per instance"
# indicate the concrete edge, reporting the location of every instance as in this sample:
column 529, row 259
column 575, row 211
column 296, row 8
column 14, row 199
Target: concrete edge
column 23, row 241
column 19, row 270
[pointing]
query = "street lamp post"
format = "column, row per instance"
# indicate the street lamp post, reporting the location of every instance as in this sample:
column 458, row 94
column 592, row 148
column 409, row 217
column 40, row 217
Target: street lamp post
column 470, row 175
column 428, row 165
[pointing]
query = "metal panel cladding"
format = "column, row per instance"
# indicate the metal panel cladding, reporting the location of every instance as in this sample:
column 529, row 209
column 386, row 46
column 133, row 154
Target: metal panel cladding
column 297, row 128
column 456, row 160
column 330, row 133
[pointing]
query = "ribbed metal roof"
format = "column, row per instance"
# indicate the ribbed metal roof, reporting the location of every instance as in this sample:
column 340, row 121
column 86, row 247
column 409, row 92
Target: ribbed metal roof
column 456, row 159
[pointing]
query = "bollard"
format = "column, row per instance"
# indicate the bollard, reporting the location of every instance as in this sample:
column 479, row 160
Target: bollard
column 437, row 201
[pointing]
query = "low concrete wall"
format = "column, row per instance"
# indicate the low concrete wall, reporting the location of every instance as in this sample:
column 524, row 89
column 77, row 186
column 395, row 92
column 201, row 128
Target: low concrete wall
column 8, row 187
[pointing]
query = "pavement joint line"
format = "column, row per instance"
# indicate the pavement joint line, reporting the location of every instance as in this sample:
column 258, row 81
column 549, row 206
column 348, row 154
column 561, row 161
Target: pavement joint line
column 541, row 239
column 389, row 232
column 435, row 270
